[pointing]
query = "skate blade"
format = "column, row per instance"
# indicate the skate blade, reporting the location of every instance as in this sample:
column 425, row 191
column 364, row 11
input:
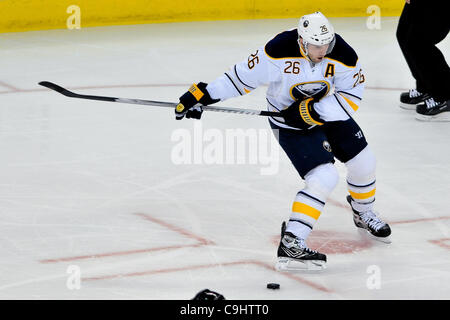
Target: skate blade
column 441, row 117
column 366, row 233
column 287, row 264
column 406, row 106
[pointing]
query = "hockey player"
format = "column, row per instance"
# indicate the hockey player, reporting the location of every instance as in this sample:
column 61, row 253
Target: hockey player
column 301, row 67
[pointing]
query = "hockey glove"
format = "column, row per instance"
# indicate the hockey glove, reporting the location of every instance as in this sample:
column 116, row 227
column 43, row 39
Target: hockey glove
column 301, row 114
column 188, row 106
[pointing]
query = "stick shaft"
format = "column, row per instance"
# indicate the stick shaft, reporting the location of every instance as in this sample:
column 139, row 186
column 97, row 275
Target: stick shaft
column 71, row 94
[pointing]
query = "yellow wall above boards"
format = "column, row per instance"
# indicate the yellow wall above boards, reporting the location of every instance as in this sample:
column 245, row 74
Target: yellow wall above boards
column 26, row 15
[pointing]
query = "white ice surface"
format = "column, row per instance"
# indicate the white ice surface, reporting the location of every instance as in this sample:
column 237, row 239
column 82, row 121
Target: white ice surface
column 87, row 179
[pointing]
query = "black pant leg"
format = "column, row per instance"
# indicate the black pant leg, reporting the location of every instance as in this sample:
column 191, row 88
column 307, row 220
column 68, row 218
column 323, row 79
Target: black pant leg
column 404, row 36
column 428, row 26
column 306, row 149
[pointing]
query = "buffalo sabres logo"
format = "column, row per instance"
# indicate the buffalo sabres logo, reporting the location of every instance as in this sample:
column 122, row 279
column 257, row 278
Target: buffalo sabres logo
column 314, row 89
column 326, row 146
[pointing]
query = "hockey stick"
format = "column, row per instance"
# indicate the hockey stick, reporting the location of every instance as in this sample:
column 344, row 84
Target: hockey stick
column 71, row 94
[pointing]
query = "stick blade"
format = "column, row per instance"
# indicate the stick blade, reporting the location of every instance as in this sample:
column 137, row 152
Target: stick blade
column 56, row 88
column 51, row 85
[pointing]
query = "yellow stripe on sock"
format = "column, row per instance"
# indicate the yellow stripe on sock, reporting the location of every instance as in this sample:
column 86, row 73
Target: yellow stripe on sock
column 362, row 196
column 305, row 209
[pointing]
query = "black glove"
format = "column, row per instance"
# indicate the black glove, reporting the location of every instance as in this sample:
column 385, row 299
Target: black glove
column 301, row 114
column 197, row 94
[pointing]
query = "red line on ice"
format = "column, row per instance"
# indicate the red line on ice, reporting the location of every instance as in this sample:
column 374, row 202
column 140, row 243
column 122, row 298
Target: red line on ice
column 119, row 253
column 441, row 242
column 10, row 87
column 420, row 220
column 200, row 242
column 204, row 266
column 175, row 228
column 143, row 85
column 149, row 85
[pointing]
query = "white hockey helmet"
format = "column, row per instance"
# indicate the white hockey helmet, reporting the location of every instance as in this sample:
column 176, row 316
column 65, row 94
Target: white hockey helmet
column 315, row 29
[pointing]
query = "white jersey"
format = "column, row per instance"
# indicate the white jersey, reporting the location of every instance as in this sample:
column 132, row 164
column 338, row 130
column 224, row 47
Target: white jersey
column 337, row 81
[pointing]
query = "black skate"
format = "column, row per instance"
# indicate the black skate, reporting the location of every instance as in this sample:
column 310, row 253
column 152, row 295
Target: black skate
column 377, row 228
column 294, row 255
column 433, row 110
column 409, row 100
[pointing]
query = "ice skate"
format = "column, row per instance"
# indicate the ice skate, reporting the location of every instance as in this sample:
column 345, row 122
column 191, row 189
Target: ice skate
column 369, row 221
column 409, row 100
column 294, row 255
column 433, row 110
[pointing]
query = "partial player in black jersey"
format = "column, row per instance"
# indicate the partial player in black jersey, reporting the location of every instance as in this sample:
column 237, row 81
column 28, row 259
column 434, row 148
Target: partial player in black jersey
column 423, row 24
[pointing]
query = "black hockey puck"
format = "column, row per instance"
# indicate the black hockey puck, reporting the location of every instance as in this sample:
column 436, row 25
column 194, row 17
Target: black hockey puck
column 273, row 286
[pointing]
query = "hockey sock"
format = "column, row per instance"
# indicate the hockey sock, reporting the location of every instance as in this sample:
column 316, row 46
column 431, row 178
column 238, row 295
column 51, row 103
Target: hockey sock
column 361, row 183
column 309, row 202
